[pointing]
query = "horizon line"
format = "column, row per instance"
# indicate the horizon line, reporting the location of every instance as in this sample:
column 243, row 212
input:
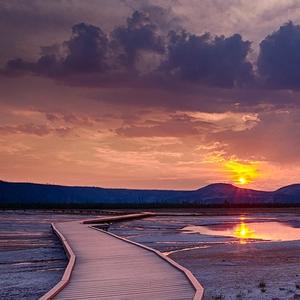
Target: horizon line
column 145, row 189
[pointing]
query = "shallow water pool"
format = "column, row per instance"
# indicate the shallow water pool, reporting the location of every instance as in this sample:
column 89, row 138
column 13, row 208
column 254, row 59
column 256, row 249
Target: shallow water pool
column 247, row 230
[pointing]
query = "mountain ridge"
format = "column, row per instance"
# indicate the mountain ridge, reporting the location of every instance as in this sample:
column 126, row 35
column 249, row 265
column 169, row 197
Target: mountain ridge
column 25, row 194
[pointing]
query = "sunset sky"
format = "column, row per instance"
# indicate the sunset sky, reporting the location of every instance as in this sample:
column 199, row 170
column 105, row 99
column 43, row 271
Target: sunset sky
column 150, row 94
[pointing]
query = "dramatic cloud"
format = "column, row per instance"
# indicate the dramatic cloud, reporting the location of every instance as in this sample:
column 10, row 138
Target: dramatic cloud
column 139, row 34
column 279, row 58
column 86, row 52
column 215, row 61
column 140, row 53
column 149, row 93
column 87, row 49
column 131, row 49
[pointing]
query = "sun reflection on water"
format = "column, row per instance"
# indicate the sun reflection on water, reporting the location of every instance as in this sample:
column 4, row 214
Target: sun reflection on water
column 248, row 230
column 243, row 231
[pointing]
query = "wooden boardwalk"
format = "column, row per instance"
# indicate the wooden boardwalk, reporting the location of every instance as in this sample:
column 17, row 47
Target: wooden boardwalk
column 109, row 267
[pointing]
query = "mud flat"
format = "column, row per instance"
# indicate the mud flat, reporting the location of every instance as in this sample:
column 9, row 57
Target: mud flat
column 208, row 242
column 32, row 259
column 229, row 267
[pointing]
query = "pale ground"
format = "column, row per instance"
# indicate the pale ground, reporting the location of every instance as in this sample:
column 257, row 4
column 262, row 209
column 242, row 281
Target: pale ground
column 226, row 268
column 32, row 259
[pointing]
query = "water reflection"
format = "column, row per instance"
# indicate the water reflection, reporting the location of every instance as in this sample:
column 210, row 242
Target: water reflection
column 248, row 230
column 243, row 231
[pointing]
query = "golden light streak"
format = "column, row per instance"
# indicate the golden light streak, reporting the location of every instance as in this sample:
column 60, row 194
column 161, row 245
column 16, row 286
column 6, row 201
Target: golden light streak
column 244, row 232
column 241, row 173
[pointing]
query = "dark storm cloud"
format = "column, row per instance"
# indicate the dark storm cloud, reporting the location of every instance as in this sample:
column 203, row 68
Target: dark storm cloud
column 92, row 53
column 279, row 58
column 92, row 57
column 215, row 61
column 87, row 49
column 103, row 58
column 139, row 34
column 86, row 52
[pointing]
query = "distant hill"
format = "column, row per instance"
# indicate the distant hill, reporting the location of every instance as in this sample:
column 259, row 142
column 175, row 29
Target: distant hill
column 32, row 195
column 290, row 194
column 222, row 193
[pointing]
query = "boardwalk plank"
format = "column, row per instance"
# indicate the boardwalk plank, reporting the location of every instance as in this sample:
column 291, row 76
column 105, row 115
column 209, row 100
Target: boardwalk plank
column 109, row 268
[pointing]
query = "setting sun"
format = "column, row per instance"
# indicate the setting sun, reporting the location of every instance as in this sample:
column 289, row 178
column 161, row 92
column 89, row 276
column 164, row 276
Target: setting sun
column 241, row 173
column 243, row 180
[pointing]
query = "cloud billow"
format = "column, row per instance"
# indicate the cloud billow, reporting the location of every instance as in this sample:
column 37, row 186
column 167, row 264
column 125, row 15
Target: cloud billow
column 92, row 57
column 90, row 51
column 211, row 61
column 215, row 61
column 279, row 58
column 86, row 52
column 87, row 49
column 139, row 34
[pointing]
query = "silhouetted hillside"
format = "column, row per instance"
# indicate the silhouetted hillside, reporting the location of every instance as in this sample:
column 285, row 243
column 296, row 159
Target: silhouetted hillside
column 31, row 195
column 289, row 194
column 222, row 193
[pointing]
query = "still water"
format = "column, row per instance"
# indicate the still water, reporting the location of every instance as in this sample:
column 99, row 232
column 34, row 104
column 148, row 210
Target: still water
column 247, row 230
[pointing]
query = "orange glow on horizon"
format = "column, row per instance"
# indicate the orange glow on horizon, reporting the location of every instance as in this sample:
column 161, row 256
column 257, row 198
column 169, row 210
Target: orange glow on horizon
column 241, row 173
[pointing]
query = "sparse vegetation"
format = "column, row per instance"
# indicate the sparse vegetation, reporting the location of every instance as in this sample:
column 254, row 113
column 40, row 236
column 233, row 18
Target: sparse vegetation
column 219, row 297
column 262, row 285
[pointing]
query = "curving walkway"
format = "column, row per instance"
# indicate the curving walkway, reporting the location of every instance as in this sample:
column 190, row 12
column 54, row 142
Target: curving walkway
column 110, row 267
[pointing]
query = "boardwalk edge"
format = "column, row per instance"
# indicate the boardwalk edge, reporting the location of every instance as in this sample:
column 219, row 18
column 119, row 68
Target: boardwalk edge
column 68, row 271
column 199, row 290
